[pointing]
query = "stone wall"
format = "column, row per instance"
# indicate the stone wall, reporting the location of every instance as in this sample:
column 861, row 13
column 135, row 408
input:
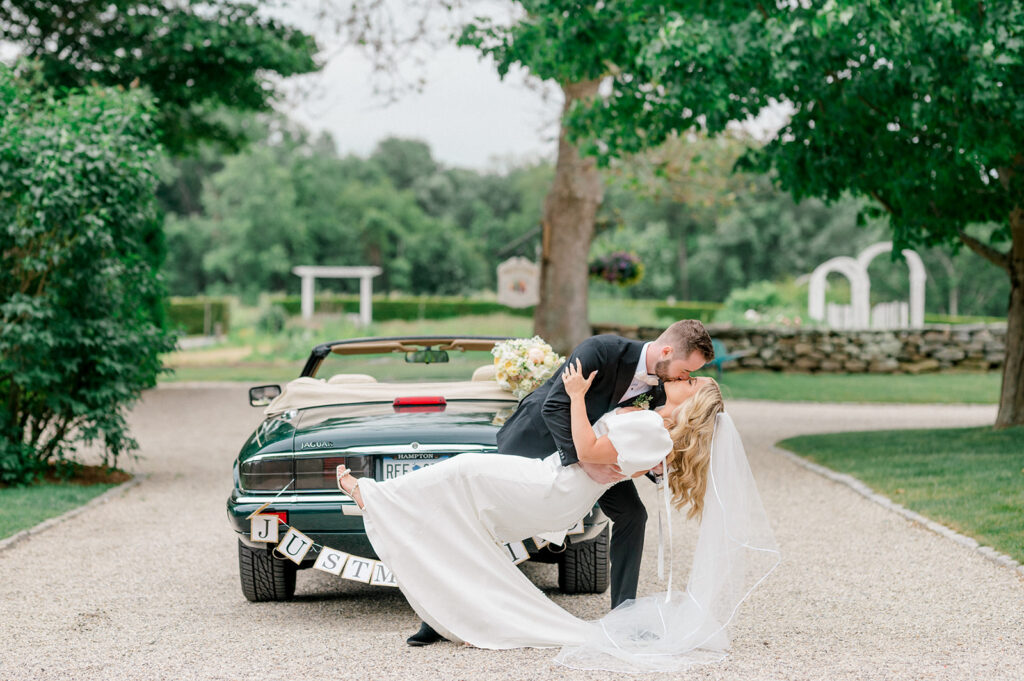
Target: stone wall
column 932, row 348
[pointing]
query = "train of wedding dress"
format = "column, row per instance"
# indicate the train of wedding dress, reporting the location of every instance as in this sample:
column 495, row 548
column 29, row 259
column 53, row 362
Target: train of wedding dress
column 735, row 552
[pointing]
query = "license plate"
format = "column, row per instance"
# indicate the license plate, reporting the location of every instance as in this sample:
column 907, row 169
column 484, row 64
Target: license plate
column 400, row 464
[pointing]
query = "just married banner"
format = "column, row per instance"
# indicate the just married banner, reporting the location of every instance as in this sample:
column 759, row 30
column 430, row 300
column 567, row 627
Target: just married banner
column 295, row 546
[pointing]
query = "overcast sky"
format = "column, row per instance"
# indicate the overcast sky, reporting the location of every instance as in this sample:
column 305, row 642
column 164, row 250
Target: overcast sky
column 464, row 112
column 468, row 116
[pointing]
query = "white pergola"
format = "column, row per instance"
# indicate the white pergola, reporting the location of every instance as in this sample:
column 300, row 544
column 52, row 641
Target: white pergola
column 365, row 275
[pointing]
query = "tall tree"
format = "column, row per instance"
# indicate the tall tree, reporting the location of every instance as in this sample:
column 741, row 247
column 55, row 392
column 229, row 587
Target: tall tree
column 198, row 57
column 574, row 45
column 915, row 104
column 577, row 46
column 404, row 161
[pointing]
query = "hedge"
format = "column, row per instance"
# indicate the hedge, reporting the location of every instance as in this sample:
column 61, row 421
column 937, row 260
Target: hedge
column 960, row 319
column 385, row 309
column 190, row 315
column 705, row 312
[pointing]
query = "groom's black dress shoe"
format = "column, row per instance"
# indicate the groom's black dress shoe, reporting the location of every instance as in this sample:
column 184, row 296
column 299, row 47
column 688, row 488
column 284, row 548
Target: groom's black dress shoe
column 425, row 636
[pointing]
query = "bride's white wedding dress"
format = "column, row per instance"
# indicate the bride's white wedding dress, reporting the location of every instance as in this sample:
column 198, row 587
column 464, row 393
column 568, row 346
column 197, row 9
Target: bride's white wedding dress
column 439, row 528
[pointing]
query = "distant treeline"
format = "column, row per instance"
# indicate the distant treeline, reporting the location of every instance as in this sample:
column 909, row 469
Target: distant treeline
column 238, row 224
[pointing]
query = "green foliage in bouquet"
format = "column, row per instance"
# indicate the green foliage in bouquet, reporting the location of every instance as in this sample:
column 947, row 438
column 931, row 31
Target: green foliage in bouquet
column 81, row 326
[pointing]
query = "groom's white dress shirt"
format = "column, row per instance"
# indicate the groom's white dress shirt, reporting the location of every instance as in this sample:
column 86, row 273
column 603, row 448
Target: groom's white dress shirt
column 642, row 381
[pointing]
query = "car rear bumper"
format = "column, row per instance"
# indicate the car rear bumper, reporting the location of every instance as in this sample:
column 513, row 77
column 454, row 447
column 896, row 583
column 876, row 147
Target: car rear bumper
column 323, row 518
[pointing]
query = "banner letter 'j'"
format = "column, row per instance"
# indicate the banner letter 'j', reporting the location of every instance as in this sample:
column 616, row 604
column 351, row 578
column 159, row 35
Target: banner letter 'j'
column 263, row 528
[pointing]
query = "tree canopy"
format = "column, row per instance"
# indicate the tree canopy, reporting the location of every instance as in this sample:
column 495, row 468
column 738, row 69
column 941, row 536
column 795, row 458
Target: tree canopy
column 198, row 58
column 917, row 106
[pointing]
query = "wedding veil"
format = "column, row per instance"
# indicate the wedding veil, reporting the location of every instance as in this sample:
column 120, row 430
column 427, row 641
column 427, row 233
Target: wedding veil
column 735, row 552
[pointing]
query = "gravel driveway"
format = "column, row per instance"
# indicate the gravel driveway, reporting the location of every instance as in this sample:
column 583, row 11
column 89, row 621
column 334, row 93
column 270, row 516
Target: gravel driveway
column 146, row 585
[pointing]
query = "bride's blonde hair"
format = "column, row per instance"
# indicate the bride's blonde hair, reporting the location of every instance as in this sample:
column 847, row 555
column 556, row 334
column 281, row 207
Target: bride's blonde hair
column 692, row 426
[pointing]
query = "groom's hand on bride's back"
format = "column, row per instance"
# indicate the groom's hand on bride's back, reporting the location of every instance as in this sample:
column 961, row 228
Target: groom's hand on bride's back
column 602, row 473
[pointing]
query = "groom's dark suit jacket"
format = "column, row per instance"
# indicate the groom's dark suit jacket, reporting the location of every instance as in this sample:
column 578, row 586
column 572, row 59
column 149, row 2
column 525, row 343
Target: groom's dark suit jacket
column 541, row 424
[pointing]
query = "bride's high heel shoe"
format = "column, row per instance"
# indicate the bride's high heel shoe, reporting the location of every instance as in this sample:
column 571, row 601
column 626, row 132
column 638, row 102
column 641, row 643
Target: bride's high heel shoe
column 352, row 493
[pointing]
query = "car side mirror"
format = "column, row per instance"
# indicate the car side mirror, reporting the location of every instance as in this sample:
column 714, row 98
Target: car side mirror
column 262, row 395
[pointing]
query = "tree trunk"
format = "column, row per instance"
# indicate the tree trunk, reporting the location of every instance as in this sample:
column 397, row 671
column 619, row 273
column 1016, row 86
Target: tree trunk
column 1011, row 398
column 568, row 227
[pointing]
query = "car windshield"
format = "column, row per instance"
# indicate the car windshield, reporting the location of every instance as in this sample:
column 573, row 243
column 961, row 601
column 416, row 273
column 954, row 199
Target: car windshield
column 394, row 367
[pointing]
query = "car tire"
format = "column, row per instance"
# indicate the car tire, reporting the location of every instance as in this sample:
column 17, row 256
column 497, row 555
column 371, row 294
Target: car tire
column 265, row 578
column 583, row 568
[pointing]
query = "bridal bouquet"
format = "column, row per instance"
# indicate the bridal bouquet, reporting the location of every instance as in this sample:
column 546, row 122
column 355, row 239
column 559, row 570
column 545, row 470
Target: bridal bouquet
column 522, row 364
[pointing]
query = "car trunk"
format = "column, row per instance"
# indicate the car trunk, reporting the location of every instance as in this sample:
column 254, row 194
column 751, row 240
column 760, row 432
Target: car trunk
column 384, row 441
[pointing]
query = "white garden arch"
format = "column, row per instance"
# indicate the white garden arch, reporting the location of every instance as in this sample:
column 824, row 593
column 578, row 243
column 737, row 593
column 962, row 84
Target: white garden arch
column 884, row 314
column 854, row 315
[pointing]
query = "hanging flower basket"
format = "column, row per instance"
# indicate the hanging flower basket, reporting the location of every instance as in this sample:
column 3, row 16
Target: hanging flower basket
column 620, row 268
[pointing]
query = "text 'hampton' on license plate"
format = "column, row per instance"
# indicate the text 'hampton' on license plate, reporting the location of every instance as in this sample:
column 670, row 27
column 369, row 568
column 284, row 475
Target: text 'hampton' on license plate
column 398, row 465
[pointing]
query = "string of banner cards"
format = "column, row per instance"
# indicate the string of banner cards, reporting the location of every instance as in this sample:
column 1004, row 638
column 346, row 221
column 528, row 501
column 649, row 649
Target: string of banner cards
column 295, row 546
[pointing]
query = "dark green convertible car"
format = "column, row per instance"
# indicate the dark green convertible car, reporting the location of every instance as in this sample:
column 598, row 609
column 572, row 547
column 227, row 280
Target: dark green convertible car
column 383, row 407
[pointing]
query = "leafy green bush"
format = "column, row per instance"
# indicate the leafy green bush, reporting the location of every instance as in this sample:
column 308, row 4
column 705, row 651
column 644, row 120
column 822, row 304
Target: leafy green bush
column 81, row 313
column 760, row 296
column 705, row 312
column 272, row 319
column 200, row 315
column 766, row 302
column 386, row 309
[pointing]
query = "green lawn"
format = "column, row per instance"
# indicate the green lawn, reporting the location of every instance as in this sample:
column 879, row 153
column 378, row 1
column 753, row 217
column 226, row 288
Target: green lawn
column 969, row 479
column 253, row 356
column 950, row 388
column 24, row 507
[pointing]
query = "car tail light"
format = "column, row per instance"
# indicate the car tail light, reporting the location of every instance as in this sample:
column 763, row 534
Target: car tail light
column 281, row 515
column 321, row 472
column 419, row 403
column 265, row 474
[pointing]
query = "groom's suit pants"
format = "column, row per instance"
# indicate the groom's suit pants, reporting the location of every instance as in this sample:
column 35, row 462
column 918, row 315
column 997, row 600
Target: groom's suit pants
column 622, row 504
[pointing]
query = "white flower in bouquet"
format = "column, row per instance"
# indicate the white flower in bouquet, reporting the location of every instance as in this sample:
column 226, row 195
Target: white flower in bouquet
column 522, row 364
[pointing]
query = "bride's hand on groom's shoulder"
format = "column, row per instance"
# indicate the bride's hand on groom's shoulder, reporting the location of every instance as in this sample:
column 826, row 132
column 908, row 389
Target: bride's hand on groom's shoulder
column 572, row 379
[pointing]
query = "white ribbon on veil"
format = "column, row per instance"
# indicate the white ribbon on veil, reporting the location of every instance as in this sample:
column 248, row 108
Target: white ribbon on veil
column 735, row 552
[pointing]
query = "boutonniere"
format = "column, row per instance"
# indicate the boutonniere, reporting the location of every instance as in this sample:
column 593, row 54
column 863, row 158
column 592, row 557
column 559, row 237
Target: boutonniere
column 643, row 401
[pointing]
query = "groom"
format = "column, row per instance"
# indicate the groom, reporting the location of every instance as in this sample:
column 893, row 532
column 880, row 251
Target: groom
column 626, row 369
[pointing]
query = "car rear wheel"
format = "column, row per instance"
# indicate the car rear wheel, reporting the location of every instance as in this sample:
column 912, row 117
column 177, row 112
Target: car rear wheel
column 265, row 578
column 583, row 568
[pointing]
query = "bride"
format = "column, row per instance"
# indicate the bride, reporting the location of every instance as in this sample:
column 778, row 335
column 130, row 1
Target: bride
column 439, row 529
